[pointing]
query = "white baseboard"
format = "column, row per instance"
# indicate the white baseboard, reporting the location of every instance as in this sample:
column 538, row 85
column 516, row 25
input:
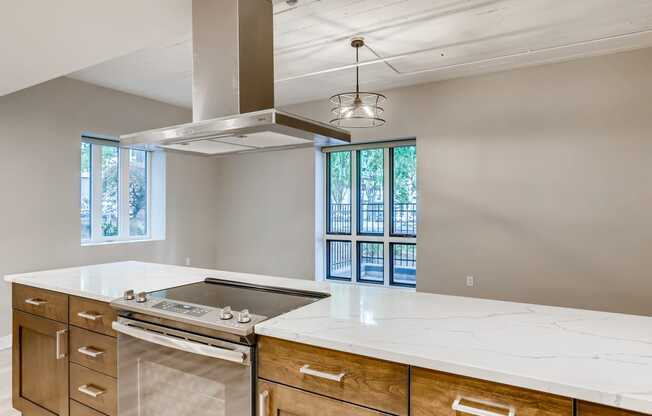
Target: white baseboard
column 5, row 342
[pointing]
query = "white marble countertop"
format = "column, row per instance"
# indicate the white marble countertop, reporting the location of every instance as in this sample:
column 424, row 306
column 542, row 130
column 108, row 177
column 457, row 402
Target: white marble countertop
column 595, row 356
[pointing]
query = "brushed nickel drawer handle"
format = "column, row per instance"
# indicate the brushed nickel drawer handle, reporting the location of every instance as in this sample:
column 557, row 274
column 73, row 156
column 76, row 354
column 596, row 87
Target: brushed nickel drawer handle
column 470, row 410
column 89, row 315
column 263, row 403
column 91, row 390
column 90, row 351
column 61, row 350
column 36, row 301
column 328, row 376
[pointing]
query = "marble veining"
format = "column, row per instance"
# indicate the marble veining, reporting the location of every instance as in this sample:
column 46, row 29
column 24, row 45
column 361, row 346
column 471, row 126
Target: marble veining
column 595, row 356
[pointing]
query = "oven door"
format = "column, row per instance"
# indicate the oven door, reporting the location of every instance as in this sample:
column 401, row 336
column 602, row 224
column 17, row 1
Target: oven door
column 165, row 372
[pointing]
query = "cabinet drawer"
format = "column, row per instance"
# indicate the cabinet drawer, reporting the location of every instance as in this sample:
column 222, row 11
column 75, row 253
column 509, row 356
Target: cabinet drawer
column 93, row 315
column 93, row 350
column 435, row 393
column 365, row 381
column 78, row 409
column 283, row 400
column 51, row 305
column 93, row 389
column 592, row 409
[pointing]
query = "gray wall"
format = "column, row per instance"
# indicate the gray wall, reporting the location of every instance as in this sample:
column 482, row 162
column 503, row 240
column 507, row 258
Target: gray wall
column 266, row 210
column 538, row 182
column 40, row 130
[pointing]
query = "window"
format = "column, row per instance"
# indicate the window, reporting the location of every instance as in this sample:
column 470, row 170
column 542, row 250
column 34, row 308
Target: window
column 375, row 242
column 116, row 196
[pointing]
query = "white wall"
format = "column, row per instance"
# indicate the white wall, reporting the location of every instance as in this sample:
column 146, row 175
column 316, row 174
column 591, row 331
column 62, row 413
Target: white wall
column 536, row 181
column 40, row 129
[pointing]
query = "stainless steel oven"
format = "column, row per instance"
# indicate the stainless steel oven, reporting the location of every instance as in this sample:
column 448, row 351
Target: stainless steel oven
column 169, row 372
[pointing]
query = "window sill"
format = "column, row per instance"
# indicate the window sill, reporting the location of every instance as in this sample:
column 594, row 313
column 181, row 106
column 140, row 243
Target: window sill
column 112, row 243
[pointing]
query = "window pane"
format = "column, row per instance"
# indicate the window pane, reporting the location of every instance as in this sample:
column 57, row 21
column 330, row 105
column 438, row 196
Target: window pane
column 370, row 192
column 404, row 200
column 339, row 260
column 339, row 184
column 370, row 262
column 85, row 191
column 404, row 264
column 109, row 164
column 137, row 192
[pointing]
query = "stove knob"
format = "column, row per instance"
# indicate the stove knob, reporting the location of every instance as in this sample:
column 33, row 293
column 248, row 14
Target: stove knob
column 226, row 313
column 244, row 317
column 129, row 295
column 141, row 297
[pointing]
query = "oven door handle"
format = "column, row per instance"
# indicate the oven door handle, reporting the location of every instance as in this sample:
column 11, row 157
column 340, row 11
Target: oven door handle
column 181, row 344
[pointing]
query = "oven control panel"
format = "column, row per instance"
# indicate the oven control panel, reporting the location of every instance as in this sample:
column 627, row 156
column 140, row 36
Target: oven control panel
column 181, row 308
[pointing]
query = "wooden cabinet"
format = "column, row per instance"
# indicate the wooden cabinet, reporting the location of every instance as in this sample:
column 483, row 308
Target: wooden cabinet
column 92, row 315
column 40, row 365
column 279, row 400
column 78, row 409
column 94, row 389
column 54, row 362
column 352, row 378
column 39, row 302
column 95, row 351
column 591, row 409
column 434, row 393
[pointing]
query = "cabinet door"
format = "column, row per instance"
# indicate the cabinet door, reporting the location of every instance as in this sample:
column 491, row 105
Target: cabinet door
column 278, row 400
column 591, row 409
column 40, row 365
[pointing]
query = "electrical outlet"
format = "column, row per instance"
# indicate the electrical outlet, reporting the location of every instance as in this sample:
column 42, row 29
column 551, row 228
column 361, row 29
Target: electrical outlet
column 470, row 281
column 187, row 261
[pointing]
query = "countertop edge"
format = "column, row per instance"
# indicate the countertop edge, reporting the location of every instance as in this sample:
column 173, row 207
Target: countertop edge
column 54, row 288
column 604, row 398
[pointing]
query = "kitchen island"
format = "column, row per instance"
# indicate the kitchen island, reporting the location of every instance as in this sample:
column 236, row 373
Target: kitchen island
column 597, row 357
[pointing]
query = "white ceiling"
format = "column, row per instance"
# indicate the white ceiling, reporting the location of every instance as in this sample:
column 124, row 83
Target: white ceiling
column 42, row 39
column 437, row 39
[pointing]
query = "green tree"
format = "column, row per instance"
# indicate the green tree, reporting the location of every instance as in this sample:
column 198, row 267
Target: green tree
column 340, row 177
column 405, row 174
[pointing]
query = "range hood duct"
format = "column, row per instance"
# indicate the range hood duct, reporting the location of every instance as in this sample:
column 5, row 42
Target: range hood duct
column 233, row 88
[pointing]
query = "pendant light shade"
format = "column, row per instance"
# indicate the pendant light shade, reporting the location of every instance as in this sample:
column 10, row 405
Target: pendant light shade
column 357, row 109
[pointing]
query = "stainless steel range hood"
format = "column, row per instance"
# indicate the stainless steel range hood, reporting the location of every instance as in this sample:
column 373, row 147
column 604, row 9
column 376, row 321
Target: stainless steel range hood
column 233, row 88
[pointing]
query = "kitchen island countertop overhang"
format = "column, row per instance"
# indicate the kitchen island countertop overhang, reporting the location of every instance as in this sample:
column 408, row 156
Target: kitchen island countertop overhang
column 600, row 357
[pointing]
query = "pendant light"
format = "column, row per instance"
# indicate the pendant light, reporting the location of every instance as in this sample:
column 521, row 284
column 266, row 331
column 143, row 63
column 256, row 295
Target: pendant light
column 357, row 109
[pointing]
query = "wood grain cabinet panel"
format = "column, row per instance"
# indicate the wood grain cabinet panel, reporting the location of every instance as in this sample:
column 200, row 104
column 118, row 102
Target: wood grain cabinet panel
column 45, row 303
column 39, row 366
column 287, row 401
column 95, row 390
column 78, row 409
column 592, row 409
column 435, row 393
column 94, row 351
column 92, row 315
column 352, row 378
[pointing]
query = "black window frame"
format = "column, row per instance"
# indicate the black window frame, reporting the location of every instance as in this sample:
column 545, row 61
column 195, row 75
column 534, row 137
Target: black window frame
column 328, row 261
column 358, row 200
column 358, row 275
column 392, row 282
column 391, row 197
column 328, row 193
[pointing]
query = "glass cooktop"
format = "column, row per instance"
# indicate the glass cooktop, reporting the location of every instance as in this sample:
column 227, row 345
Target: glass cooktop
column 259, row 300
